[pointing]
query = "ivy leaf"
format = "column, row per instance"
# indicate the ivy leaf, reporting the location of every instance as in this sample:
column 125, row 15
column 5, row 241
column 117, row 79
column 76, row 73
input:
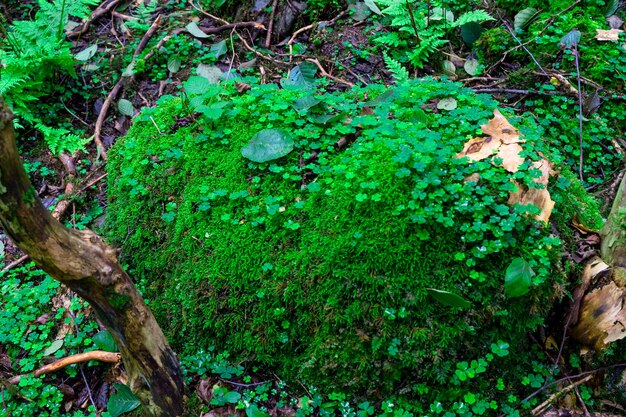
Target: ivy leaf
column 104, row 341
column 122, row 401
column 571, row 39
column 267, row 145
column 54, row 346
column 518, row 278
column 524, row 18
column 86, row 53
column 448, row 298
column 193, row 28
column 125, row 107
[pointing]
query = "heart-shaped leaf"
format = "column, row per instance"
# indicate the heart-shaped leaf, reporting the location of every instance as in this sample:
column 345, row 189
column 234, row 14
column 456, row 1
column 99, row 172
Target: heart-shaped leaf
column 448, row 298
column 122, row 401
column 471, row 66
column 518, row 278
column 197, row 85
column 104, row 341
column 471, row 31
column 267, row 145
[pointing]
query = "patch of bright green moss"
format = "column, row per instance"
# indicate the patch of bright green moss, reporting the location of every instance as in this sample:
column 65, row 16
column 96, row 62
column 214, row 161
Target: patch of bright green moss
column 318, row 264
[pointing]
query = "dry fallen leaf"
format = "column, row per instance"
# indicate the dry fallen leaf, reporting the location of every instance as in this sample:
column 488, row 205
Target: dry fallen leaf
column 503, row 142
column 608, row 35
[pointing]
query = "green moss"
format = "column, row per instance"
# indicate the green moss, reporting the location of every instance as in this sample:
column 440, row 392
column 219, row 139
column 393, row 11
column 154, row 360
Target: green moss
column 118, row 301
column 318, row 264
column 30, row 196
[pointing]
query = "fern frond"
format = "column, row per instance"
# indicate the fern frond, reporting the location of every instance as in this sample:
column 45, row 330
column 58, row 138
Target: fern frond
column 60, row 139
column 473, row 16
column 396, row 69
column 420, row 54
column 390, row 39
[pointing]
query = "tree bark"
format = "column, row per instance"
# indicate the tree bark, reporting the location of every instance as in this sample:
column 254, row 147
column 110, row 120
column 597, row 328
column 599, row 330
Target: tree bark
column 84, row 263
column 601, row 318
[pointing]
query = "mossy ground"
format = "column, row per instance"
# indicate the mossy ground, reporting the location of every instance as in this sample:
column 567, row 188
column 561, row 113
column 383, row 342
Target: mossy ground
column 318, row 264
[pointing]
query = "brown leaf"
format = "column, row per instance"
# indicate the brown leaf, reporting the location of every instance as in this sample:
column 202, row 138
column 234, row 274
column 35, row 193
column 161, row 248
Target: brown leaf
column 510, row 156
column 608, row 35
column 539, row 197
column 478, row 149
column 504, row 142
column 205, row 390
column 500, row 128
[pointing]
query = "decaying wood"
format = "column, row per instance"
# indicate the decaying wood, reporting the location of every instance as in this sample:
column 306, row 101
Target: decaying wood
column 613, row 249
column 82, row 262
column 602, row 316
column 94, row 355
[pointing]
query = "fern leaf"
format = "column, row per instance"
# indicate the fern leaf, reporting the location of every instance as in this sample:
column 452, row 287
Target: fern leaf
column 473, row 16
column 390, row 39
column 396, row 69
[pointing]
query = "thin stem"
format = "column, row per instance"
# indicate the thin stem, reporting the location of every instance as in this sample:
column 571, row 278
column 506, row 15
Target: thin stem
column 408, row 8
column 580, row 114
column 61, row 21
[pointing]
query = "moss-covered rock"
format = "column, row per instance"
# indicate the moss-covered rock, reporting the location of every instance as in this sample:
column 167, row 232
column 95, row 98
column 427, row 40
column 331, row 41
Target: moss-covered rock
column 320, row 263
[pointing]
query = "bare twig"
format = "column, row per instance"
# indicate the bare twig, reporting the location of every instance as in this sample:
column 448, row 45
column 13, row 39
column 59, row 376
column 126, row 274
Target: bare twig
column 326, row 74
column 94, row 355
column 506, row 25
column 15, row 263
column 100, row 11
column 580, row 114
column 270, row 26
column 316, row 24
column 541, row 407
column 118, row 86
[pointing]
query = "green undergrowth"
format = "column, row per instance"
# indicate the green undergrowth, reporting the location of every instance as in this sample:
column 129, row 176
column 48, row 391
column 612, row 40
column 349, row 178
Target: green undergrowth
column 322, row 265
column 602, row 66
column 30, row 320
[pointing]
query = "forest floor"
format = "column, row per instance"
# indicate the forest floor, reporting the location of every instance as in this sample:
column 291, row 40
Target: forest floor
column 159, row 46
